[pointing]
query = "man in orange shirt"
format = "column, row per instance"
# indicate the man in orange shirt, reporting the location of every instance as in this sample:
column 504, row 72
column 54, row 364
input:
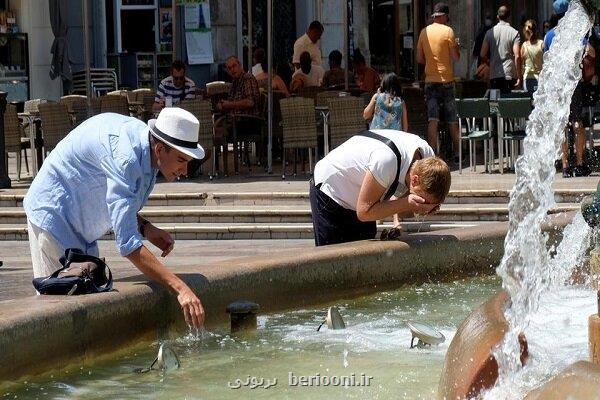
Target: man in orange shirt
column 437, row 48
column 366, row 78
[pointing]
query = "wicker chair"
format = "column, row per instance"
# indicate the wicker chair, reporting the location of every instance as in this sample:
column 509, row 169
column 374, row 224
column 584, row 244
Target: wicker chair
column 77, row 106
column 202, row 110
column 217, row 91
column 310, row 92
column 246, row 129
column 345, row 119
column 118, row 93
column 56, row 124
column 95, row 106
column 138, row 94
column 299, row 127
column 322, row 98
column 217, row 87
column 32, row 106
column 14, row 140
column 115, row 104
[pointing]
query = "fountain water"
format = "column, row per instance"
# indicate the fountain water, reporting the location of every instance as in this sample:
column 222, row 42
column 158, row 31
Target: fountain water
column 527, row 269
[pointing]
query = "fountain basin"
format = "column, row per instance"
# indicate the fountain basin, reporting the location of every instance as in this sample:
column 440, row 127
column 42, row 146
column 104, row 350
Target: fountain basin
column 579, row 381
column 38, row 334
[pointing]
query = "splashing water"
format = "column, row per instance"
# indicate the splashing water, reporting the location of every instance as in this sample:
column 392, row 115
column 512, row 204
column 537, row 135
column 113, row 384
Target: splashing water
column 527, row 269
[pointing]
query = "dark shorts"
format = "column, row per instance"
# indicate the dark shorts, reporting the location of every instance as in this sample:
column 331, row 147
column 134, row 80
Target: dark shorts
column 333, row 223
column 440, row 96
column 576, row 113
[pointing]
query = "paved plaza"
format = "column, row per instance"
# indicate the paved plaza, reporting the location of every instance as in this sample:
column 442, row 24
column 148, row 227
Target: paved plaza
column 15, row 274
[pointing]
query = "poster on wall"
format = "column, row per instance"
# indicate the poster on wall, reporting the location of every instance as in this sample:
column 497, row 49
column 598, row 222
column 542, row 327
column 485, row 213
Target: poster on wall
column 198, row 35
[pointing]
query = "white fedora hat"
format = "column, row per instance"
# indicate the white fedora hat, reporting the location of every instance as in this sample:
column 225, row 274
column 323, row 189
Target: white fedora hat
column 178, row 129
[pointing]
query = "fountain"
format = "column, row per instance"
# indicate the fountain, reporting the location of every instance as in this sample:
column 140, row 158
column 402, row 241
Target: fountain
column 491, row 338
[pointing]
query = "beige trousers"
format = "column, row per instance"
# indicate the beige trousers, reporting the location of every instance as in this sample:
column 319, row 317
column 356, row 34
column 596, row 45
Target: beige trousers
column 45, row 251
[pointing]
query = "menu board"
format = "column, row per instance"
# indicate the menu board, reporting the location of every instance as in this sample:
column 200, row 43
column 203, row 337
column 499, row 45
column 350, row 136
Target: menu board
column 198, row 32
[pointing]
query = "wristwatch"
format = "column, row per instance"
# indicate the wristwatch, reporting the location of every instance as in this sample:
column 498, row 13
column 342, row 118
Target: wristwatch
column 142, row 227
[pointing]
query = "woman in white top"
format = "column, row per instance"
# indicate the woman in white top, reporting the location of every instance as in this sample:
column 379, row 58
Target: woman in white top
column 371, row 176
column 532, row 53
column 308, row 74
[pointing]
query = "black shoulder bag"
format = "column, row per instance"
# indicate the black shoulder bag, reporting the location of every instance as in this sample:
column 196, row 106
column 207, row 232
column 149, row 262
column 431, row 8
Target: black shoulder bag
column 392, row 189
column 80, row 274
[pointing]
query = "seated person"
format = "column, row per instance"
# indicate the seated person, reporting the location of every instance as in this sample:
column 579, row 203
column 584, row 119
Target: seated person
column 336, row 75
column 366, row 78
column 371, row 176
column 258, row 56
column 308, row 74
column 243, row 98
column 176, row 87
column 263, row 79
column 387, row 108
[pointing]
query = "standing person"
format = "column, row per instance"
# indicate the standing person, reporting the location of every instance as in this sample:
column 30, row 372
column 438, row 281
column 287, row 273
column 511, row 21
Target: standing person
column 560, row 8
column 438, row 50
column 501, row 49
column 308, row 74
column 487, row 25
column 309, row 42
column 366, row 77
column 371, row 176
column 386, row 107
column 532, row 53
column 175, row 87
column 258, row 58
column 576, row 107
column 98, row 178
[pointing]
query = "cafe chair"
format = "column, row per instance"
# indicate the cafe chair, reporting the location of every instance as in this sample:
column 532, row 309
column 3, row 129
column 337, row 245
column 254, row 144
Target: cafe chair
column 114, row 104
column 76, row 106
column 345, row 119
column 512, row 118
column 474, row 125
column 56, row 124
column 201, row 109
column 14, row 138
column 299, row 127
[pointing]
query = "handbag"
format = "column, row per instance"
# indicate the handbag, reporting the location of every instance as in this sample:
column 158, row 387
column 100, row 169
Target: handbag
column 80, row 274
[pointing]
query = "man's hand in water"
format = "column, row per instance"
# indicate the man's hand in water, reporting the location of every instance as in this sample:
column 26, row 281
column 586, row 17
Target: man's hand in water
column 192, row 308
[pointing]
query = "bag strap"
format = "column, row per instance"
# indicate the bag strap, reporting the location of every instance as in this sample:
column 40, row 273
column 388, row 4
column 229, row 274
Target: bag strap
column 388, row 142
column 107, row 287
column 77, row 255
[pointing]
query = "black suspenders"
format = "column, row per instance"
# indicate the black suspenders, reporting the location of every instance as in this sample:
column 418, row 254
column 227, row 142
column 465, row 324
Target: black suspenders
column 392, row 189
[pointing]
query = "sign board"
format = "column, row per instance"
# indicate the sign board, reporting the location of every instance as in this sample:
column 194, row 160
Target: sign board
column 198, row 31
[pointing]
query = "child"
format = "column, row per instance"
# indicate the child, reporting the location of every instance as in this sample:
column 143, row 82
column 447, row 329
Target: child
column 386, row 107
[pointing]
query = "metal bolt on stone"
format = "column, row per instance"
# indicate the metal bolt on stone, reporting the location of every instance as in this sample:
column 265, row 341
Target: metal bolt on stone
column 243, row 315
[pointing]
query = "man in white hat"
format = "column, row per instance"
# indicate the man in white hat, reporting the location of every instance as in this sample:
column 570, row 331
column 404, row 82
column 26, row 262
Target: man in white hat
column 98, row 178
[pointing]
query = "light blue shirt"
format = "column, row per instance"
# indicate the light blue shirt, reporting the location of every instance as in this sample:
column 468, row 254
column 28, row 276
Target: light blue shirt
column 97, row 178
column 388, row 112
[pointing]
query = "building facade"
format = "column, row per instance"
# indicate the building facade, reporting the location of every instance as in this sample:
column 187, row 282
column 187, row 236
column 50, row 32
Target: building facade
column 121, row 31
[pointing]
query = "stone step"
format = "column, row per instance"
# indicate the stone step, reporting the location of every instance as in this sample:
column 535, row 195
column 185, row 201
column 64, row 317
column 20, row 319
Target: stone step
column 301, row 198
column 216, row 231
column 285, row 214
